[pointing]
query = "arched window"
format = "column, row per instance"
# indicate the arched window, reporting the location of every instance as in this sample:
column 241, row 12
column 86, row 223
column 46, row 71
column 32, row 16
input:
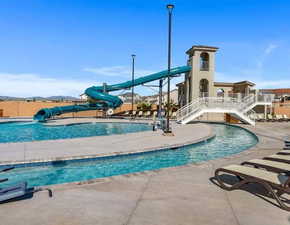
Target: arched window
column 204, row 61
column 203, row 88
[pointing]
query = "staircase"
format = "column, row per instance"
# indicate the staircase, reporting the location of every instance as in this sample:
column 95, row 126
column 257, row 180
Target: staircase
column 241, row 108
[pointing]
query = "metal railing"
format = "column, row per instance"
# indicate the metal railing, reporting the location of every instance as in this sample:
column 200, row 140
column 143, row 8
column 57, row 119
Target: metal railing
column 188, row 110
column 242, row 106
column 251, row 114
column 268, row 98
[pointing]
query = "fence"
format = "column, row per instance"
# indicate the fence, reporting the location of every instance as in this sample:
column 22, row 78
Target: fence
column 28, row 109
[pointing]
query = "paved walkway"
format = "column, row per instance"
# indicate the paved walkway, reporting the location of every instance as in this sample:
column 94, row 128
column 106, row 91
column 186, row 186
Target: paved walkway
column 101, row 145
column 173, row 196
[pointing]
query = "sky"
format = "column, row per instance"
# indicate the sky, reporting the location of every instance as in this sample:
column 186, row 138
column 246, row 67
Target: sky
column 61, row 47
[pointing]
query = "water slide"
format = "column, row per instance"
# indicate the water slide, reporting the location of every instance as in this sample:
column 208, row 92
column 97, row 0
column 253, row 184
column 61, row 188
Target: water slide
column 101, row 100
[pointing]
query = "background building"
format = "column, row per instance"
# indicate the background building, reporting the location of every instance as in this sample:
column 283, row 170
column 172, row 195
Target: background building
column 199, row 82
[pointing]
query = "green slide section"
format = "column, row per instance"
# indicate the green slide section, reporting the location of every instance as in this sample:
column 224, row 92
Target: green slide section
column 101, row 100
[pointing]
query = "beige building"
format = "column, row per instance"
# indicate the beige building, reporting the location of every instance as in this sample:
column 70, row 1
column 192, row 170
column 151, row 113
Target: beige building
column 154, row 99
column 199, row 82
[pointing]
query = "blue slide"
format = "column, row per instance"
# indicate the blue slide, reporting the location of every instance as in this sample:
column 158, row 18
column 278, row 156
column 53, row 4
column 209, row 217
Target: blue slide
column 101, row 100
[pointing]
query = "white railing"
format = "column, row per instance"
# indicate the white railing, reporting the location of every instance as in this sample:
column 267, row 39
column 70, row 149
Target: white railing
column 267, row 98
column 188, row 109
column 242, row 106
column 246, row 102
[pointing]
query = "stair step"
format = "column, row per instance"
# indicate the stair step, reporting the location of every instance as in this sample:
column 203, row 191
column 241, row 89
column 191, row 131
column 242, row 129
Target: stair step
column 286, row 148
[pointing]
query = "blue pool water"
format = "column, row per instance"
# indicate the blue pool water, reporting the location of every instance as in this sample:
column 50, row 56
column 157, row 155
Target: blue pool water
column 32, row 131
column 229, row 140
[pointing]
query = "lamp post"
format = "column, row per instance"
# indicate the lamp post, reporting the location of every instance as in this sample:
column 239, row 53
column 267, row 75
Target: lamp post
column 170, row 9
column 133, row 73
column 160, row 99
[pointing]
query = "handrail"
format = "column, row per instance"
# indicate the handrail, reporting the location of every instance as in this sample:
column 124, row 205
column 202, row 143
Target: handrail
column 243, row 105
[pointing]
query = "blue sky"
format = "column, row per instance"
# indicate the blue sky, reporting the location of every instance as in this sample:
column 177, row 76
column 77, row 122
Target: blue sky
column 60, row 47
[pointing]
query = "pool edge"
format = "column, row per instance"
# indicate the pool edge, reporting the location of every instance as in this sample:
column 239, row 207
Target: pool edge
column 35, row 162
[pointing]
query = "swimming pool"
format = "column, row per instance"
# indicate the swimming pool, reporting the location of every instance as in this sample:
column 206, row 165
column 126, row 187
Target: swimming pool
column 229, row 140
column 33, row 131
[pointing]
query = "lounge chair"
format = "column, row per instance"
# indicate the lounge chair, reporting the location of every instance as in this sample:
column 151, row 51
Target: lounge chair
column 270, row 117
column 5, row 169
column 269, row 165
column 134, row 113
column 13, row 192
column 127, row 113
column 147, row 114
column 269, row 180
column 140, row 113
column 170, row 114
column 260, row 118
column 286, row 118
column 284, row 152
column 174, row 115
column 17, row 191
column 279, row 117
column 287, row 144
column 274, row 118
column 279, row 158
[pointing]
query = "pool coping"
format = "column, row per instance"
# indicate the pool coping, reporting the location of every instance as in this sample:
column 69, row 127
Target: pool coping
column 20, row 163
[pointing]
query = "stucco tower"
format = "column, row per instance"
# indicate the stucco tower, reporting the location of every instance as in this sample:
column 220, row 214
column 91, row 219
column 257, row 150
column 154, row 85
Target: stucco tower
column 199, row 82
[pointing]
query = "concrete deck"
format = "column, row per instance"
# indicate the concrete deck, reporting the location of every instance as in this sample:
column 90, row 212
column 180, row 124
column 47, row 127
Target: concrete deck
column 101, row 145
column 173, row 196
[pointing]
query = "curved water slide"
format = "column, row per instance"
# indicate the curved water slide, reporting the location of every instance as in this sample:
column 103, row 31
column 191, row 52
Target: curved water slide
column 100, row 97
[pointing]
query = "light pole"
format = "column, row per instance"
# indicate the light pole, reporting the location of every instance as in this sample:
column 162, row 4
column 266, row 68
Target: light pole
column 160, row 99
column 170, row 9
column 133, row 73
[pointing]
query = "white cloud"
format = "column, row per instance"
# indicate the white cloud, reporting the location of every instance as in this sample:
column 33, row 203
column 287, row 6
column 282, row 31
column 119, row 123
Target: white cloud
column 254, row 73
column 25, row 85
column 270, row 48
column 260, row 84
column 273, row 84
column 261, row 61
column 116, row 71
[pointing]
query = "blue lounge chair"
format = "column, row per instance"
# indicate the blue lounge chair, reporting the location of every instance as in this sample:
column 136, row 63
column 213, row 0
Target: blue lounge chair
column 6, row 169
column 17, row 191
column 13, row 192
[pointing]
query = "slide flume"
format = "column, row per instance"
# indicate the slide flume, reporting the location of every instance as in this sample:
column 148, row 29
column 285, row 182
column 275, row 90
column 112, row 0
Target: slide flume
column 101, row 96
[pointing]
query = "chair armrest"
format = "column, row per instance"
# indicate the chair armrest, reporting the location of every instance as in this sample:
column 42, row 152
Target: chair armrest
column 287, row 173
column 7, row 169
column 3, row 180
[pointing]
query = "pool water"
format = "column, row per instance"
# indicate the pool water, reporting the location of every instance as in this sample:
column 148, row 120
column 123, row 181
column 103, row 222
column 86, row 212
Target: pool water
column 229, row 140
column 33, row 131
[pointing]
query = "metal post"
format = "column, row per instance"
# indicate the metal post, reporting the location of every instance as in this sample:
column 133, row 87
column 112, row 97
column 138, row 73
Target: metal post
column 133, row 73
column 106, row 108
column 170, row 8
column 160, row 99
